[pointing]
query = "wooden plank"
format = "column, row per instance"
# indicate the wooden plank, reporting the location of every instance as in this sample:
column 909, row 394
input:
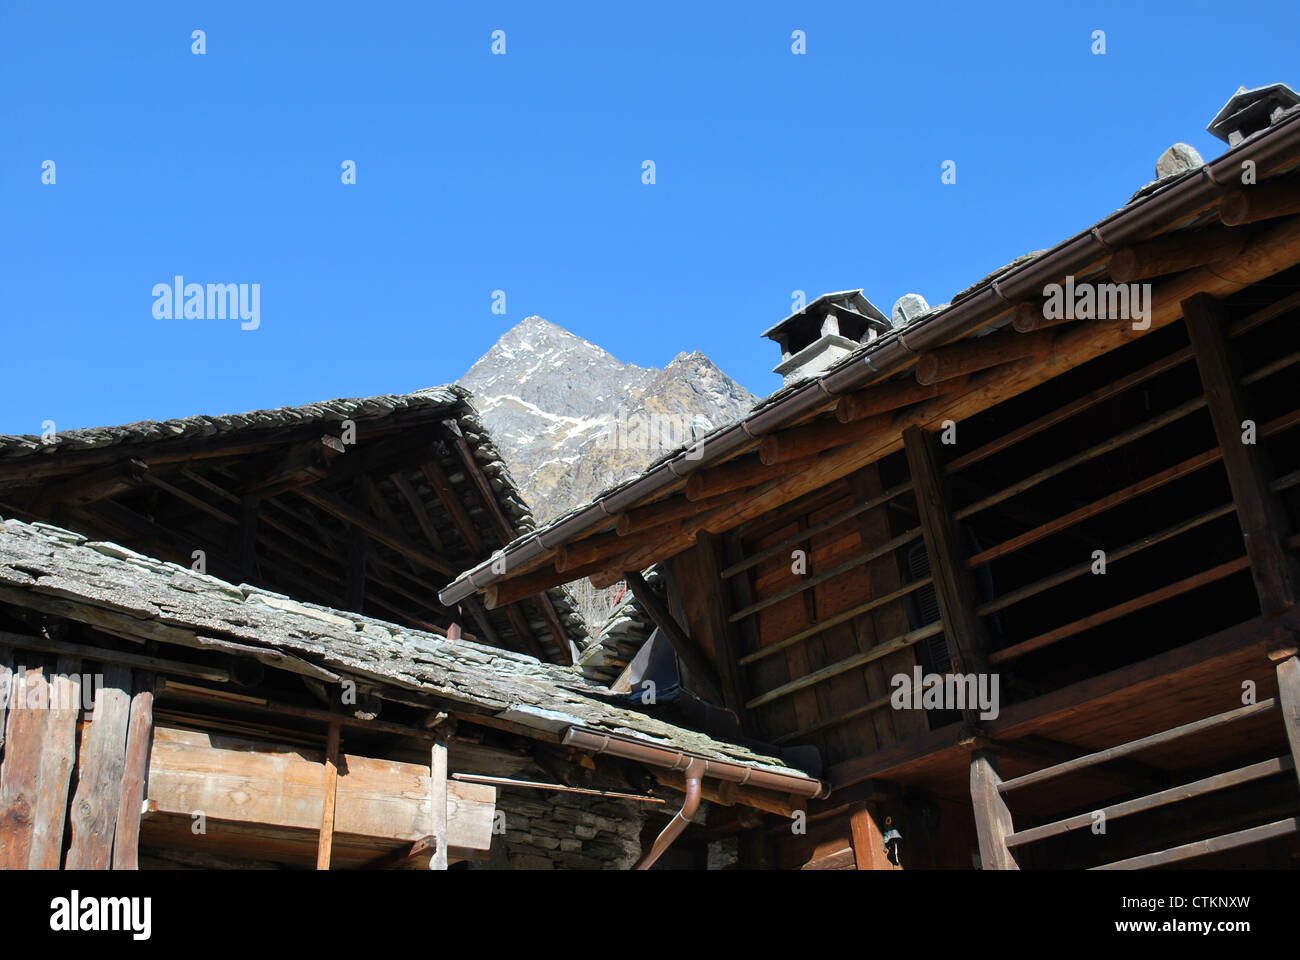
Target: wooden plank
column 807, row 583
column 20, row 780
column 952, row 585
column 438, row 803
column 869, row 841
column 842, row 617
column 139, row 744
column 1263, row 520
column 1195, row 728
column 992, row 818
column 1222, row 781
column 329, row 797
column 277, row 788
column 800, row 536
column 850, row 663
column 58, row 759
column 1288, row 698
column 888, row 618
column 1202, row 848
column 102, row 766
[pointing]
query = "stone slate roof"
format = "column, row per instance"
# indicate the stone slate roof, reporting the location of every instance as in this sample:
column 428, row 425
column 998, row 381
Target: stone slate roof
column 451, row 399
column 46, row 567
column 84, row 449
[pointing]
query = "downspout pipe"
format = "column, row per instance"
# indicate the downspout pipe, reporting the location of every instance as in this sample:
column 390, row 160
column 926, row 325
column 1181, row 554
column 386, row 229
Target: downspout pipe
column 694, row 782
column 1162, row 209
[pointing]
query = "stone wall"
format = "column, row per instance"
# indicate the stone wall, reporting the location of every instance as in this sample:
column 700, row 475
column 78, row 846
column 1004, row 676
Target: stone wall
column 552, row 830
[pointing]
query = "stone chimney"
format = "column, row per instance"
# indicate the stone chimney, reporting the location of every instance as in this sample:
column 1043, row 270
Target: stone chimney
column 1250, row 111
column 830, row 327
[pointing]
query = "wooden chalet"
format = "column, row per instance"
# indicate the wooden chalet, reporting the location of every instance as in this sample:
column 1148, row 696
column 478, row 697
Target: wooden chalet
column 369, row 505
column 1098, row 508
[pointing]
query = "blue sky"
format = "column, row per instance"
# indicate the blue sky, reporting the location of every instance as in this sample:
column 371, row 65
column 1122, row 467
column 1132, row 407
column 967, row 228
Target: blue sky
column 475, row 172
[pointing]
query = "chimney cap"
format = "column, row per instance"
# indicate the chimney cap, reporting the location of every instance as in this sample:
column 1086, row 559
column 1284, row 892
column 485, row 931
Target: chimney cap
column 845, row 301
column 1249, row 111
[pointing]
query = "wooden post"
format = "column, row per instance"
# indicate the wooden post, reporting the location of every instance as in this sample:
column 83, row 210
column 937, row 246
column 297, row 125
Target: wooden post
column 1288, row 698
column 952, row 585
column 139, row 743
column 102, row 767
column 869, row 841
column 326, row 845
column 726, row 637
column 992, row 818
column 438, row 802
column 1262, row 519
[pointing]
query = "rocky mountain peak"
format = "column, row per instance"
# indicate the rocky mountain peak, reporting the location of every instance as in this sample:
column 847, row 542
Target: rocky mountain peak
column 560, row 407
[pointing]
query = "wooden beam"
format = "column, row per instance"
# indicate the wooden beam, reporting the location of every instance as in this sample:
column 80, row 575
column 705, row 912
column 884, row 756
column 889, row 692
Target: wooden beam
column 89, row 487
column 353, row 516
column 64, row 648
column 1181, row 732
column 1203, row 848
column 692, row 657
column 1175, row 252
column 418, row 510
column 451, row 503
column 139, row 745
column 971, row 356
column 98, row 798
column 738, row 474
column 953, row 589
column 1263, row 519
column 887, row 397
column 804, row 440
column 438, row 802
column 869, row 841
column 505, row 592
column 1199, row 788
column 993, row 823
column 661, row 512
column 1028, row 317
column 1279, row 197
column 1288, row 698
column 329, row 799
